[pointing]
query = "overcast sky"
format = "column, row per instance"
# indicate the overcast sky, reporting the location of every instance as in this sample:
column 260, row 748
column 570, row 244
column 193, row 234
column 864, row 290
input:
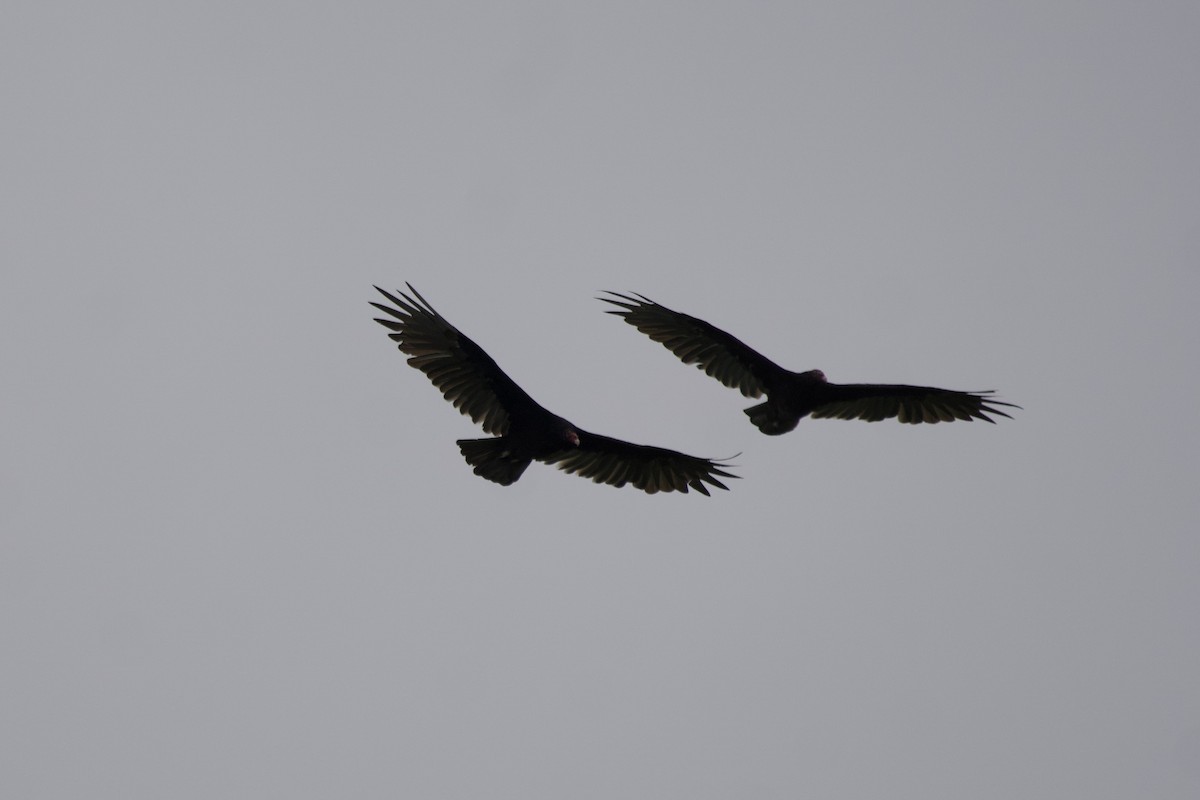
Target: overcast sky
column 241, row 556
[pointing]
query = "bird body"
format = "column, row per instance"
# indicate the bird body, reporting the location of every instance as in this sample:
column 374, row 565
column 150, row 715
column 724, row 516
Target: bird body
column 522, row 430
column 791, row 396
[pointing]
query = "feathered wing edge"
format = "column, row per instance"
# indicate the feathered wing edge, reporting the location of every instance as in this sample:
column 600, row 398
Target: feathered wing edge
column 694, row 341
column 464, row 373
column 908, row 404
column 651, row 469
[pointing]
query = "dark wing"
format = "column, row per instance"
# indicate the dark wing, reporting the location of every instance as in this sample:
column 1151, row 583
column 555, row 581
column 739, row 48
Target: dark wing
column 465, row 374
column 651, row 469
column 694, row 341
column 911, row 404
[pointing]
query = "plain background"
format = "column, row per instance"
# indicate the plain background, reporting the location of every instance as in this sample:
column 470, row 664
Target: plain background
column 242, row 557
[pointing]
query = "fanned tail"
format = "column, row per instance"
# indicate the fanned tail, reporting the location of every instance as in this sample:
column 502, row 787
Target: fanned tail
column 492, row 459
column 767, row 419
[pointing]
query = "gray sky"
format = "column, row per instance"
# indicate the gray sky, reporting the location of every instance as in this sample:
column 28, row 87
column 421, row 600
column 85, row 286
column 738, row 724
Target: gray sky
column 242, row 557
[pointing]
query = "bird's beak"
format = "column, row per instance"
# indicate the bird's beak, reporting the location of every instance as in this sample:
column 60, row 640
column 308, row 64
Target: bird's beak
column 573, row 438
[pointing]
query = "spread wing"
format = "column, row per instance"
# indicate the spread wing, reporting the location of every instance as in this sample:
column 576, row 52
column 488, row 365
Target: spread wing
column 651, row 469
column 694, row 341
column 911, row 404
column 465, row 374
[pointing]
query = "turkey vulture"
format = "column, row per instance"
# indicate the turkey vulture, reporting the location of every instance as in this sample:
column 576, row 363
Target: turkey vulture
column 524, row 431
column 791, row 396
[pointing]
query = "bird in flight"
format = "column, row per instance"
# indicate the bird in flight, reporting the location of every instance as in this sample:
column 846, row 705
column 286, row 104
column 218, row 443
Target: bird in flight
column 522, row 430
column 791, row 396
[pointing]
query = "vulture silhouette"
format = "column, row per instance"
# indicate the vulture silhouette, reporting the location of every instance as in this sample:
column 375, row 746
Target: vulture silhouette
column 523, row 430
column 791, row 396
